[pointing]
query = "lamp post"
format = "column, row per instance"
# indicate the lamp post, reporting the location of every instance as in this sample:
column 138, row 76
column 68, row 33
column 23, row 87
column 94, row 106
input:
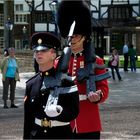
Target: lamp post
column 53, row 6
column 24, row 30
column 9, row 27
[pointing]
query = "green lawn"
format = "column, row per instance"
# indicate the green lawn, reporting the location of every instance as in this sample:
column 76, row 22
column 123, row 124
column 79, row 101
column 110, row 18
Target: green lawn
column 122, row 61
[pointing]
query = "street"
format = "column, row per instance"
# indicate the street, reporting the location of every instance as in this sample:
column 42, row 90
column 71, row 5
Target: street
column 119, row 114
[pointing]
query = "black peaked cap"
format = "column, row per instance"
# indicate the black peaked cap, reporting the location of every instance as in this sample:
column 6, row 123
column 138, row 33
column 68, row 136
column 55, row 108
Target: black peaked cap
column 45, row 40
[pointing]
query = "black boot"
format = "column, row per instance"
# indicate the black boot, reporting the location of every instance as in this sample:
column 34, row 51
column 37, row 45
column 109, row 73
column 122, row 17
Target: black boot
column 5, row 105
column 13, row 105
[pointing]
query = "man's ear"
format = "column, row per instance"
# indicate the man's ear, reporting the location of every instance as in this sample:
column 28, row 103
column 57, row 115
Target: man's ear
column 52, row 50
column 53, row 53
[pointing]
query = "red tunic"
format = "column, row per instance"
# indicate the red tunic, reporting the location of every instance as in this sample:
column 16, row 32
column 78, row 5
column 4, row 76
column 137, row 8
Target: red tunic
column 88, row 119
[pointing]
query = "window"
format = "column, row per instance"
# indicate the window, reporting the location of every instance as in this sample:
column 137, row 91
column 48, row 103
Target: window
column 1, row 42
column 17, row 44
column 1, row 8
column 117, row 41
column 41, row 16
column 20, row 18
column 120, row 12
column 1, row 19
column 19, row 7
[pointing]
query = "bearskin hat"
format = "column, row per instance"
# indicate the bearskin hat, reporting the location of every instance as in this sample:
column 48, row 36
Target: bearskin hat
column 68, row 11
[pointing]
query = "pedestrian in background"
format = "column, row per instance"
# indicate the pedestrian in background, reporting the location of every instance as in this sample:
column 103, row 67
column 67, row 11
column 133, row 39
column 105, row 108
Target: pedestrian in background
column 88, row 124
column 133, row 58
column 114, row 59
column 45, row 116
column 10, row 74
column 126, row 56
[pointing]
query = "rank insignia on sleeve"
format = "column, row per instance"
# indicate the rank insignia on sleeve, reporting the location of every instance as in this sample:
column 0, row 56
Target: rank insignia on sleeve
column 81, row 64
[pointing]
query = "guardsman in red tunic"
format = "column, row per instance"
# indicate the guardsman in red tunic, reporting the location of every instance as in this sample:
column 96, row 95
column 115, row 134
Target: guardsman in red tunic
column 88, row 124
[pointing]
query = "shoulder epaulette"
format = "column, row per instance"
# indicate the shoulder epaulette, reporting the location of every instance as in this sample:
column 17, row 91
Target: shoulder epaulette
column 33, row 77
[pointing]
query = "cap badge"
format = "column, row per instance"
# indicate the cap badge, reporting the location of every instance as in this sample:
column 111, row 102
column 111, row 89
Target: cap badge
column 39, row 41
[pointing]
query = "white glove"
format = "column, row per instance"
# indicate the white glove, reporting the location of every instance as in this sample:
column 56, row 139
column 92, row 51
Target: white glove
column 53, row 110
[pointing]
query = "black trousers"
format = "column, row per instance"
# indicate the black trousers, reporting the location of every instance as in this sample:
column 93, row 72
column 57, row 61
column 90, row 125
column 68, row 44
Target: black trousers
column 125, row 61
column 116, row 68
column 91, row 135
column 9, row 82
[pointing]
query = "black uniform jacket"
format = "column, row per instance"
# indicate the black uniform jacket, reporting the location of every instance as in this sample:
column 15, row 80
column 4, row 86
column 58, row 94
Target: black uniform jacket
column 35, row 103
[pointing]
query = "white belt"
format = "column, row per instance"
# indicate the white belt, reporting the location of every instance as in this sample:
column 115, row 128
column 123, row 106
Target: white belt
column 50, row 123
column 82, row 97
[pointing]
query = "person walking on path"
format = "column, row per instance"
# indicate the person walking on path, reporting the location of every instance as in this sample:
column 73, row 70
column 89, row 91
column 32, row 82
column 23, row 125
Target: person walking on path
column 114, row 59
column 10, row 74
column 88, row 124
column 126, row 57
column 46, row 115
column 133, row 58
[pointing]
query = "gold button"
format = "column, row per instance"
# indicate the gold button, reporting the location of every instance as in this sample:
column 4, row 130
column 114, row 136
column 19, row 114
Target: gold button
column 46, row 73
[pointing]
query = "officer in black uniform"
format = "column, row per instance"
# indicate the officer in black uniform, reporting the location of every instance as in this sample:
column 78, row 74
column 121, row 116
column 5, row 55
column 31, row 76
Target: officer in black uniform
column 47, row 116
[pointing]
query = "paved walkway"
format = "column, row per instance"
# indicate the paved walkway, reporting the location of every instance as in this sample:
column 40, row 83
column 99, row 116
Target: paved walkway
column 126, row 92
column 124, row 95
column 120, row 113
